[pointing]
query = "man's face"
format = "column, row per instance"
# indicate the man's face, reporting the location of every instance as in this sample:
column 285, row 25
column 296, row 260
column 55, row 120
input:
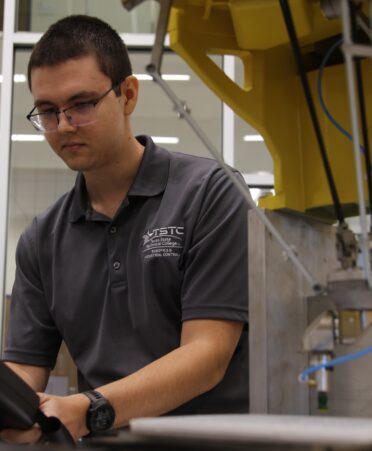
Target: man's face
column 94, row 146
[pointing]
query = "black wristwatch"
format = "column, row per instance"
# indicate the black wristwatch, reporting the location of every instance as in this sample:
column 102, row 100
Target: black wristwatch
column 101, row 414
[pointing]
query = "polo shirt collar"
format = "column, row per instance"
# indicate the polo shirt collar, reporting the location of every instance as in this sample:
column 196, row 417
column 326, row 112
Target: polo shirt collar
column 151, row 178
column 79, row 205
column 152, row 175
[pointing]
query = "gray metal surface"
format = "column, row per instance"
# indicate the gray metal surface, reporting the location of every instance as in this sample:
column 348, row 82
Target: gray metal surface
column 278, row 308
column 260, row 429
column 350, row 392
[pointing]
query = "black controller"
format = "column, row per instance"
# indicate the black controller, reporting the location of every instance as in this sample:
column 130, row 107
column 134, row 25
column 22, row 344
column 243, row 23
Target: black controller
column 19, row 409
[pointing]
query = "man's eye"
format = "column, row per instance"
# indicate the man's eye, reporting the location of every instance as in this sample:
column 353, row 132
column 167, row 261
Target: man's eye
column 47, row 110
column 83, row 105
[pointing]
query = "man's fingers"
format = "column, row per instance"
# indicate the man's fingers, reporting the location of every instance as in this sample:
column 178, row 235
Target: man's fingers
column 31, row 436
column 42, row 396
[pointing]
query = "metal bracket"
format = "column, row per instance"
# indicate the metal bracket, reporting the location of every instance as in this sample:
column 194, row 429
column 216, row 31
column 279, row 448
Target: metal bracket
column 347, row 247
column 130, row 4
column 161, row 31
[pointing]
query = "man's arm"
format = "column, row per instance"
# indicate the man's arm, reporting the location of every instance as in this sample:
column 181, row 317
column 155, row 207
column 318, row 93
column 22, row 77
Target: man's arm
column 35, row 376
column 195, row 367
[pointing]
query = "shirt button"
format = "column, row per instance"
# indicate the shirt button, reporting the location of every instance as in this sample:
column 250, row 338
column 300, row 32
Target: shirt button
column 113, row 230
column 116, row 265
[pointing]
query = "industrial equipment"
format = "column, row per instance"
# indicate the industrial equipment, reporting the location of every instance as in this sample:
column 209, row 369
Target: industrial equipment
column 308, row 91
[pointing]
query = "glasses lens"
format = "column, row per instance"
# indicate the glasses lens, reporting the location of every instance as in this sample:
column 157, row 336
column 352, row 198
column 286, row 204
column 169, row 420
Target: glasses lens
column 44, row 122
column 82, row 114
column 78, row 115
column 49, row 121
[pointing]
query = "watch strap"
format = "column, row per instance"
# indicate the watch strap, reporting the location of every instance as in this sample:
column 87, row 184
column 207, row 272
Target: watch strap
column 94, row 396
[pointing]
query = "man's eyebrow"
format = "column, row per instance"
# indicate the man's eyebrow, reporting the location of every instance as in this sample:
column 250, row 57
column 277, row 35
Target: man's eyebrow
column 78, row 95
column 83, row 95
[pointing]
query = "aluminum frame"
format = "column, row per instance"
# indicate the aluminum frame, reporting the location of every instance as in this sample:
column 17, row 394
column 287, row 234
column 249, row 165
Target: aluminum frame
column 349, row 50
column 5, row 130
column 228, row 117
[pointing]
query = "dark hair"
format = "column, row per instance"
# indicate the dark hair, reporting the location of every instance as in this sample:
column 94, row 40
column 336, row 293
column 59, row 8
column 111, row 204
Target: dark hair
column 79, row 35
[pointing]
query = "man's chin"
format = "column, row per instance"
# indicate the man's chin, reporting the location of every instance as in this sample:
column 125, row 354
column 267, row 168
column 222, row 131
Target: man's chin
column 78, row 167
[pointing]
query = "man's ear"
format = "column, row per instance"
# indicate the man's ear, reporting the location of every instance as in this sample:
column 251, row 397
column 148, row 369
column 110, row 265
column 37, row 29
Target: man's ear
column 129, row 90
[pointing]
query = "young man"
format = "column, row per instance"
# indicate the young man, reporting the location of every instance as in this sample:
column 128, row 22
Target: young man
column 141, row 268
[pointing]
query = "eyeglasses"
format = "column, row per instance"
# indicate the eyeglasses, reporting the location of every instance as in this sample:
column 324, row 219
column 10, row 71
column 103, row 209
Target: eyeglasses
column 79, row 115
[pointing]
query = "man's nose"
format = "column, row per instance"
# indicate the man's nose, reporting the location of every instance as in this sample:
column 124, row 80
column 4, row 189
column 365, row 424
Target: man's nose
column 64, row 124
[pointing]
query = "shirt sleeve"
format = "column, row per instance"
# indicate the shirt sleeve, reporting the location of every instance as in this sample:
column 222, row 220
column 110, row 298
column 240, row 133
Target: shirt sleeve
column 32, row 337
column 215, row 284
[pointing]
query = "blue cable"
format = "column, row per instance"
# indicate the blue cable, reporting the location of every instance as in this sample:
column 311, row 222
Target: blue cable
column 320, row 91
column 304, row 376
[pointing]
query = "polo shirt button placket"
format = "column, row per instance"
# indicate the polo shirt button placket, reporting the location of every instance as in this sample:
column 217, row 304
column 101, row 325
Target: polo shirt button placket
column 116, row 265
column 113, row 230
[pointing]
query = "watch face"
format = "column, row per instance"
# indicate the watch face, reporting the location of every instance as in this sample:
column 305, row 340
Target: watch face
column 102, row 418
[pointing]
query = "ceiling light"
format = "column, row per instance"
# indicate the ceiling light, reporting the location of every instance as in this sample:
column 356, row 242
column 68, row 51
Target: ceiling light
column 253, row 138
column 260, row 178
column 175, row 77
column 166, row 77
column 257, row 193
column 28, row 138
column 40, row 138
column 165, row 139
column 21, row 78
column 17, row 78
column 143, row 77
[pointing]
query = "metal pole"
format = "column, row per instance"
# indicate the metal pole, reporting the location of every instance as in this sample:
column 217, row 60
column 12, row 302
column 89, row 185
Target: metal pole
column 5, row 130
column 161, row 30
column 228, row 116
column 364, row 244
column 362, row 112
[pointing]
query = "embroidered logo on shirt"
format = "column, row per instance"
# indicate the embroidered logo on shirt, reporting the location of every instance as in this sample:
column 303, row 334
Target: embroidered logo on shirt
column 163, row 242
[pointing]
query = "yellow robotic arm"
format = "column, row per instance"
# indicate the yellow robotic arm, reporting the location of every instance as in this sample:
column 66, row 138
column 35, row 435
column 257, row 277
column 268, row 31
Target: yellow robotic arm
column 271, row 98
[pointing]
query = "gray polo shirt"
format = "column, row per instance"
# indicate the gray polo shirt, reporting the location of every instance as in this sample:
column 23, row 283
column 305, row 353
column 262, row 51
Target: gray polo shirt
column 117, row 291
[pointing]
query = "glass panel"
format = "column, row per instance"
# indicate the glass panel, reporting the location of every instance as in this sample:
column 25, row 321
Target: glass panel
column 37, row 15
column 1, row 15
column 1, row 42
column 154, row 113
column 38, row 177
column 251, row 157
column 1, row 65
column 251, row 154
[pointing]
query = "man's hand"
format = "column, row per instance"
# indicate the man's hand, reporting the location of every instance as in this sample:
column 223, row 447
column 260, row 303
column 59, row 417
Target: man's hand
column 197, row 366
column 31, row 436
column 36, row 377
column 70, row 410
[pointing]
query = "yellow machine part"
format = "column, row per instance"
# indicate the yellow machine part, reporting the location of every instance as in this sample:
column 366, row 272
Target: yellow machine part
column 272, row 99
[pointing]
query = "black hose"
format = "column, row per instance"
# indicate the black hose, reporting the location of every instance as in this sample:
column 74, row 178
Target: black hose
column 305, row 84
